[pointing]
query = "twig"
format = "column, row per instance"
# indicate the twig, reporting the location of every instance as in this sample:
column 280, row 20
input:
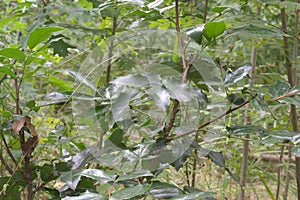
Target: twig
column 211, row 121
column 286, row 95
column 3, row 78
column 43, row 184
column 4, row 163
column 278, row 172
column 292, row 81
column 184, row 76
column 287, row 176
column 17, row 96
column 8, row 151
column 110, row 51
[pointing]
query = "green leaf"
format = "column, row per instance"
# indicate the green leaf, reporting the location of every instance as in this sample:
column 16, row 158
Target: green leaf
column 236, row 98
column 6, row 69
column 242, row 130
column 194, row 196
column 178, row 90
column 214, row 29
column 60, row 47
column 120, row 106
column 98, row 175
column 279, row 88
column 30, row 104
column 291, row 100
column 219, row 9
column 237, row 75
column 131, row 192
column 40, row 35
column 81, row 79
column 137, row 80
column 116, row 138
column 253, row 30
column 86, row 196
column 216, row 157
column 260, row 105
column 134, row 175
column 162, row 190
column 13, row 53
column 62, row 84
column 160, row 96
column 196, row 33
column 71, row 178
column 272, row 137
column 296, row 151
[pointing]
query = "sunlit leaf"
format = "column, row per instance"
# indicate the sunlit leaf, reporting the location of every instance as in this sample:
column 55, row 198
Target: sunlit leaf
column 242, row 130
column 131, row 192
column 134, row 175
column 40, row 35
column 194, row 196
column 7, row 70
column 214, row 29
column 13, row 53
column 162, row 190
column 196, row 33
column 237, row 75
column 98, row 175
column 86, row 196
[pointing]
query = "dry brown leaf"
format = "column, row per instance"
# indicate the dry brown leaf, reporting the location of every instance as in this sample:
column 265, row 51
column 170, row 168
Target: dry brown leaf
column 32, row 130
column 18, row 125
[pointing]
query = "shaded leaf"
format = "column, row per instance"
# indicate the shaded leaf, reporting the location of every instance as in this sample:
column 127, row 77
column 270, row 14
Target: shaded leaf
column 279, row 88
column 178, row 90
column 120, row 106
column 291, row 100
column 60, row 47
column 71, row 178
column 260, row 105
column 78, row 77
column 216, row 157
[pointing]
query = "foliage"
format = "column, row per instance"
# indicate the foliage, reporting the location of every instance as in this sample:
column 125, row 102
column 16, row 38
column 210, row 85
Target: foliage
column 89, row 89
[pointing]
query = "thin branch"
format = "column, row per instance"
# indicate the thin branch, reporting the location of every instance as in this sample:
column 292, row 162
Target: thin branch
column 18, row 112
column 3, row 78
column 43, row 184
column 110, row 51
column 205, row 11
column 292, row 81
column 211, row 121
column 184, row 76
column 5, row 164
column 278, row 172
column 8, row 150
column 286, row 95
